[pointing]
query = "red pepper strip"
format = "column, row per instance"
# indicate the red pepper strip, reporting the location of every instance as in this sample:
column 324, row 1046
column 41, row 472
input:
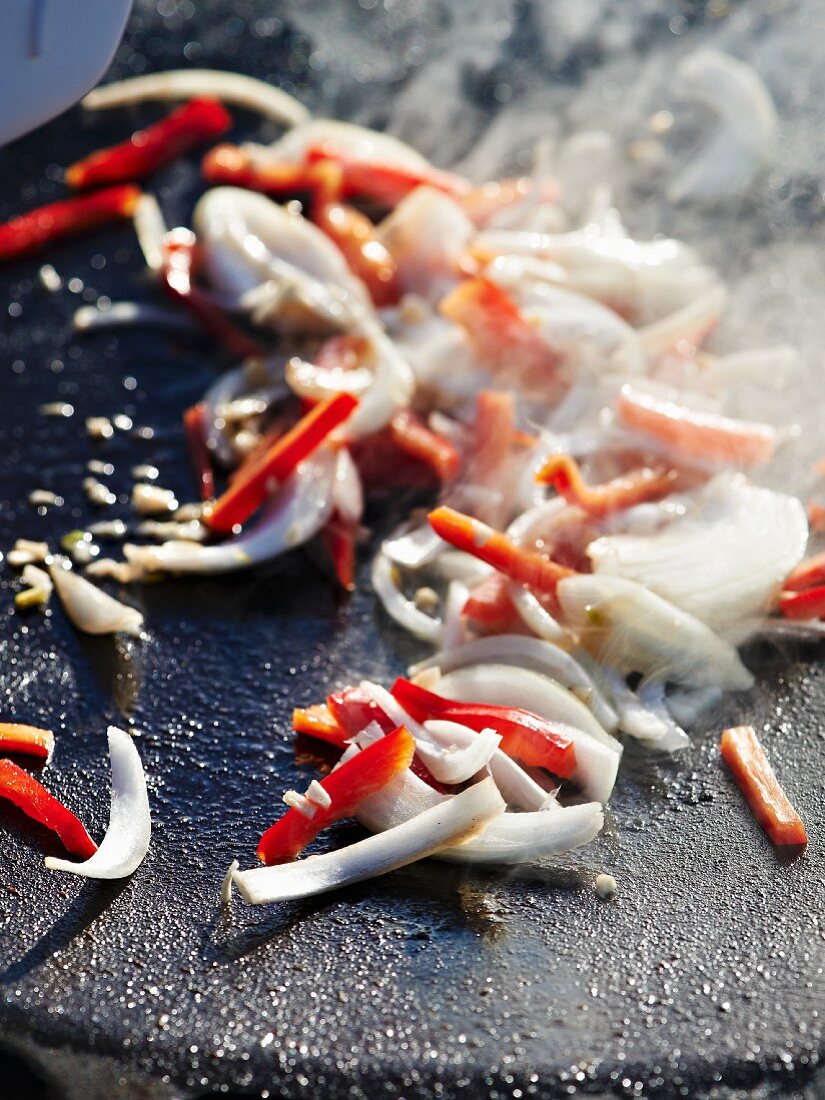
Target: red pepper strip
column 385, row 184
column 415, row 439
column 636, row 487
column 809, row 604
column 502, row 337
column 146, row 150
column 347, row 786
column 493, row 431
column 245, row 495
column 355, row 709
column 816, row 516
column 28, row 740
column 476, row 538
column 524, row 736
column 367, row 257
column 178, row 281
column 319, row 722
column 31, row 231
column 808, row 573
column 491, row 607
column 34, row 800
column 194, row 429
column 233, row 165
column 755, row 777
column 338, row 537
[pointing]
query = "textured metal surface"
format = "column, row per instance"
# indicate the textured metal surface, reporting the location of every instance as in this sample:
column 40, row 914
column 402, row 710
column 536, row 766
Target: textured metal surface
column 704, row 976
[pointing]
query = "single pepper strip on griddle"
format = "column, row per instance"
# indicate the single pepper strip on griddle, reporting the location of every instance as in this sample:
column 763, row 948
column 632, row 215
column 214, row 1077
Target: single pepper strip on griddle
column 318, row 721
column 524, row 736
column 34, row 800
column 195, row 122
column 245, row 495
column 29, row 232
column 345, row 787
column 755, row 777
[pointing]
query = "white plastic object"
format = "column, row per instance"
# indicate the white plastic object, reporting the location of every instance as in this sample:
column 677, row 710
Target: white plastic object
column 51, row 53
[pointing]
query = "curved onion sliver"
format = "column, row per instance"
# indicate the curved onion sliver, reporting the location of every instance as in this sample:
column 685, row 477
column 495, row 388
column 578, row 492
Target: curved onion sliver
column 463, row 752
column 126, row 842
column 451, row 822
column 245, row 91
column 398, row 607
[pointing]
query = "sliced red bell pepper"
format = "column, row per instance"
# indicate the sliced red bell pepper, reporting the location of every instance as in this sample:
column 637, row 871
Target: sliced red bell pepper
column 417, row 440
column 318, row 721
column 639, row 486
column 34, row 800
column 245, row 495
column 491, row 607
column 232, row 164
column 27, row 740
column 385, row 184
column 347, row 786
column 33, row 230
column 809, row 604
column 178, row 281
column 354, row 709
column 524, row 735
column 816, row 516
column 525, row 566
column 367, row 257
column 338, row 537
column 755, row 777
column 808, row 573
column 146, row 150
column 195, row 431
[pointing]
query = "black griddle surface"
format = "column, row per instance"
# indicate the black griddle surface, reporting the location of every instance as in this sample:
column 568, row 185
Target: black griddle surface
column 703, row 976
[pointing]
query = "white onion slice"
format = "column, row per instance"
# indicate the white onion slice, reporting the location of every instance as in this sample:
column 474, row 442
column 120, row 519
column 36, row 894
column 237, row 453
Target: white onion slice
column 462, row 754
column 398, row 607
column 226, row 885
column 414, row 548
column 452, row 633
column 541, row 656
column 126, row 842
column 347, row 491
column 450, row 823
column 535, row 615
column 691, row 322
column 723, row 559
column 509, row 838
column 746, row 135
column 244, row 91
column 634, row 630
column 151, row 229
column 652, row 696
column 597, row 753
column 298, row 512
column 128, row 315
column 90, row 608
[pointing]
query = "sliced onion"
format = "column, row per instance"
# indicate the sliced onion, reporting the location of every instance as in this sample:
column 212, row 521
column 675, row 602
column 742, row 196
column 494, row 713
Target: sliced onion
column 535, row 615
column 455, row 565
column 308, row 380
column 299, row 511
column 523, row 652
column 244, row 91
column 89, row 608
column 691, row 322
column 413, row 548
column 652, row 696
column 452, row 633
column 128, row 315
column 597, row 753
column 151, row 229
column 509, row 838
column 398, row 607
column 126, row 842
column 723, row 559
column 462, row 753
column 634, row 630
column 746, row 135
column 347, row 491
column 450, row 823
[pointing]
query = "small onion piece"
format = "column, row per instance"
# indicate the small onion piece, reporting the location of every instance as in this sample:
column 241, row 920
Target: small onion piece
column 535, row 616
column 150, row 229
column 523, row 652
column 426, row 627
column 452, row 822
column 130, row 315
column 126, row 842
column 89, row 608
column 243, row 91
column 464, row 752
